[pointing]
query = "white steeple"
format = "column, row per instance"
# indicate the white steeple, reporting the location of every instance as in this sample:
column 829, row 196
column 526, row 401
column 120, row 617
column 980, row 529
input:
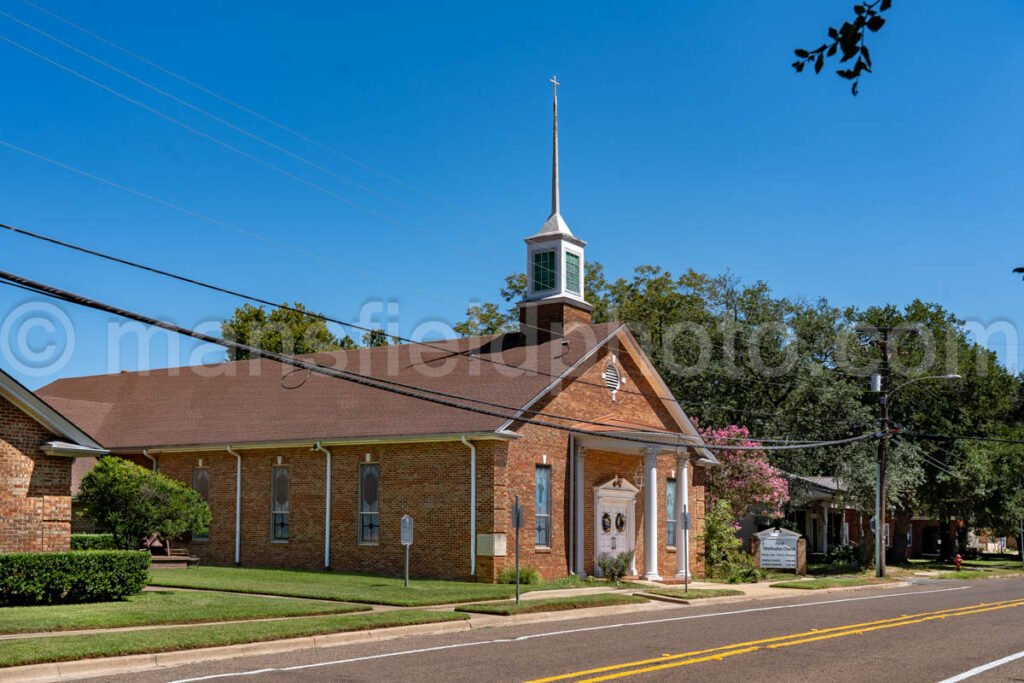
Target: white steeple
column 554, row 255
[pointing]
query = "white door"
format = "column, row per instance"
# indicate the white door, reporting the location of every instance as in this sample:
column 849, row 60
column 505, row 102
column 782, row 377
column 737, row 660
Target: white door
column 613, row 518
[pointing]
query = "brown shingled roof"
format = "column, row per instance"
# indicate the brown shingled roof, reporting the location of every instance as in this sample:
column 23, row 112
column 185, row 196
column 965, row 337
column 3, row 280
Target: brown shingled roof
column 260, row 401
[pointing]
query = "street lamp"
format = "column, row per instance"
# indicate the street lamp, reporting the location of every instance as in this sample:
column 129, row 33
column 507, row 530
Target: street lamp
column 878, row 385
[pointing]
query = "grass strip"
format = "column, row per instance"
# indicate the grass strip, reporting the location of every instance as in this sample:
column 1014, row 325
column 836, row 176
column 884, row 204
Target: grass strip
column 506, row 609
column 835, row 582
column 363, row 588
column 694, row 593
column 88, row 646
column 979, row 574
column 161, row 607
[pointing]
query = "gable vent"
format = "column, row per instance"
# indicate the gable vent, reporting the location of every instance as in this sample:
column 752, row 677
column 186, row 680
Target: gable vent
column 612, row 379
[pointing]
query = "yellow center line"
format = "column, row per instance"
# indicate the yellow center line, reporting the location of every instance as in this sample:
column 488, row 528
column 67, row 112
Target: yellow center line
column 775, row 642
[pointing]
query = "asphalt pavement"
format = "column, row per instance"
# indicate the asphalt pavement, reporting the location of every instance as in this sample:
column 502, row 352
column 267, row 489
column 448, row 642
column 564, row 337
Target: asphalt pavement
column 930, row 631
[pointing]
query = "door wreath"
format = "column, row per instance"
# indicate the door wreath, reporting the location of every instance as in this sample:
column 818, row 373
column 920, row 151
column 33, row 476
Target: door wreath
column 606, row 523
column 620, row 522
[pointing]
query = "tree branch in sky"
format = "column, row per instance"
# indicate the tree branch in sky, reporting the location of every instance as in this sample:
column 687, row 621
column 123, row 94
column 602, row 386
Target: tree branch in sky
column 849, row 40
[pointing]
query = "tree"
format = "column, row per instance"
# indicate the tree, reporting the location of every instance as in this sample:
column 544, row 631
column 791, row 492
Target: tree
column 291, row 331
column 375, row 338
column 744, row 479
column 850, row 40
column 132, row 502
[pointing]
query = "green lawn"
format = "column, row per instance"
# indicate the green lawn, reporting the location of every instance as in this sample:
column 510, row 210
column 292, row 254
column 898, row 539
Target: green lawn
column 694, row 593
column 551, row 604
column 67, row 648
column 836, row 582
column 161, row 607
column 979, row 574
column 365, row 588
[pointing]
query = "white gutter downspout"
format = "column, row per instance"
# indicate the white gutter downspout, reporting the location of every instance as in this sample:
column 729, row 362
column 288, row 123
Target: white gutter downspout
column 327, row 506
column 472, row 504
column 145, row 452
column 238, row 504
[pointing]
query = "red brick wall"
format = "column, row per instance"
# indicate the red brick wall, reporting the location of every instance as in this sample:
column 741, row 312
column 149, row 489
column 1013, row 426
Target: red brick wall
column 35, row 489
column 429, row 481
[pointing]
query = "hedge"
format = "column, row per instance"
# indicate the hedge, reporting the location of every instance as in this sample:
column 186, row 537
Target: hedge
column 92, row 542
column 82, row 576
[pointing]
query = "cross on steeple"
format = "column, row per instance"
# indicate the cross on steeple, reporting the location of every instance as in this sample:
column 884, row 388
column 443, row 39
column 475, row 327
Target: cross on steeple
column 554, row 82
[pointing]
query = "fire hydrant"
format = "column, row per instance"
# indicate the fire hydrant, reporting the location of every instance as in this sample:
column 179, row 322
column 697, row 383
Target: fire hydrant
column 958, row 561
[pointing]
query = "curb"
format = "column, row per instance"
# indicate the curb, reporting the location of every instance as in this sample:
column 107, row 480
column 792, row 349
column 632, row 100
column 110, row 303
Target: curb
column 112, row 666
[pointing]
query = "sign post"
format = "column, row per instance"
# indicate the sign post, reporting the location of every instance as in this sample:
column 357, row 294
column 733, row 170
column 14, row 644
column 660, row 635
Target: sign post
column 685, row 521
column 406, row 541
column 517, row 523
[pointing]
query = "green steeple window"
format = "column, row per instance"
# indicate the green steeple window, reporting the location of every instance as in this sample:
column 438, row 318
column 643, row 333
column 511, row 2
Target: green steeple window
column 572, row 272
column 543, row 270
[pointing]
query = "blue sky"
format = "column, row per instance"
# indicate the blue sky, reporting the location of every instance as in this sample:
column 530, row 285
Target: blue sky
column 687, row 142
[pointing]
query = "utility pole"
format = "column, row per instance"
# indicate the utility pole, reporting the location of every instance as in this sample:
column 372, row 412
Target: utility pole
column 882, row 462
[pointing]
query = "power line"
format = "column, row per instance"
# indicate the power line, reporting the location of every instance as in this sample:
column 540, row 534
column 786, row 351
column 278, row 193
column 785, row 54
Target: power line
column 419, row 393
column 266, row 302
column 240, row 107
column 203, row 112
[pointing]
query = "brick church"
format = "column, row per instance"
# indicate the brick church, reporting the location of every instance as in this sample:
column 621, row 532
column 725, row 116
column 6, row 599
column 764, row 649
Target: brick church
column 318, row 473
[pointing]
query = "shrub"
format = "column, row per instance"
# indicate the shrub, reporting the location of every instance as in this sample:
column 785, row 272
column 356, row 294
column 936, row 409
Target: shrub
column 720, row 540
column 92, row 542
column 527, row 575
column 84, row 576
column 133, row 502
column 843, row 556
column 614, row 567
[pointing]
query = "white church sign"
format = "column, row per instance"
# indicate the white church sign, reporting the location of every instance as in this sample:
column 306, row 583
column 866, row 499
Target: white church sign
column 778, row 548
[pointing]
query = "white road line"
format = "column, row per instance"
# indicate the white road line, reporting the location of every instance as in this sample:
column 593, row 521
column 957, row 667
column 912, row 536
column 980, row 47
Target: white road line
column 983, row 668
column 550, row 634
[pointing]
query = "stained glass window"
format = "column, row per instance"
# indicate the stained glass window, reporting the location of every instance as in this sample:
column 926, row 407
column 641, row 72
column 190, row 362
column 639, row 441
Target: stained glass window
column 670, row 511
column 369, row 503
column 280, row 483
column 542, row 506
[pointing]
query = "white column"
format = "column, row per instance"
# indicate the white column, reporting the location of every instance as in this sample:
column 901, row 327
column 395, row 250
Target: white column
column 824, row 509
column 651, row 514
column 682, row 503
column 579, row 535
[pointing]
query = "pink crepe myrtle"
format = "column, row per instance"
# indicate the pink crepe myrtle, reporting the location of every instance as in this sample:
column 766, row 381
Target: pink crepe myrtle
column 744, row 478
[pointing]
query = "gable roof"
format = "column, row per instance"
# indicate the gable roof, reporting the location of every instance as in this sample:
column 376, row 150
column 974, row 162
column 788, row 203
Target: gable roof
column 73, row 441
column 264, row 402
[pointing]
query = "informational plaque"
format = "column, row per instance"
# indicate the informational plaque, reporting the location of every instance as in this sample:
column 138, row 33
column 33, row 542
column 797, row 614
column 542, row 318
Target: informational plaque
column 778, row 552
column 406, row 535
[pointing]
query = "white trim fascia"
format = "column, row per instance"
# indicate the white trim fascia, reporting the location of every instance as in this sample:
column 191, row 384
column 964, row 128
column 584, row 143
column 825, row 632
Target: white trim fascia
column 558, row 380
column 40, row 411
column 310, row 443
column 70, row 450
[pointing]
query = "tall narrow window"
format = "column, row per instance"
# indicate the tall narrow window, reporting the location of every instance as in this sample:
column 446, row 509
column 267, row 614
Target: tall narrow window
column 572, row 272
column 280, row 482
column 542, row 506
column 543, row 270
column 670, row 512
column 201, row 485
column 369, row 503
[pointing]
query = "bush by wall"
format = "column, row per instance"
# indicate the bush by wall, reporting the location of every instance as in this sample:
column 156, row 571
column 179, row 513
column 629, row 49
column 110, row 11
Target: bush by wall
column 92, row 542
column 527, row 576
column 55, row 578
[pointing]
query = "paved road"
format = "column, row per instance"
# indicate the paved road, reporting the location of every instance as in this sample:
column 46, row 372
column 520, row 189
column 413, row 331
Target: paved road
column 928, row 632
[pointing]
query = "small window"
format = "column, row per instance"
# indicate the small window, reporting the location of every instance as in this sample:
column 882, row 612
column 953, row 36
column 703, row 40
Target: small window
column 201, row 485
column 542, row 507
column 543, row 270
column 280, row 483
column 369, row 503
column 670, row 512
column 572, row 272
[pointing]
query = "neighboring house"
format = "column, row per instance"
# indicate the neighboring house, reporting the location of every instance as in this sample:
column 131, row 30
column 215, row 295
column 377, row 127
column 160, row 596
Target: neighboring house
column 37, row 448
column 303, row 470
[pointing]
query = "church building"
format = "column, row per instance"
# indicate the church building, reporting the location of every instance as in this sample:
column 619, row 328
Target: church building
column 567, row 416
